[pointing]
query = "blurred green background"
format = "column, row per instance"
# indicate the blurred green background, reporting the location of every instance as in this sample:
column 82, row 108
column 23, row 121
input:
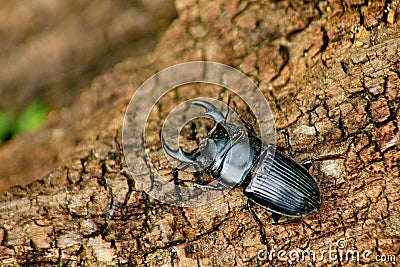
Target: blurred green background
column 51, row 50
column 29, row 119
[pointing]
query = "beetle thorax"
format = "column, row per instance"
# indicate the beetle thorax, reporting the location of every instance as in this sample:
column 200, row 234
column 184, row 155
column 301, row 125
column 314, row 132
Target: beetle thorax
column 226, row 154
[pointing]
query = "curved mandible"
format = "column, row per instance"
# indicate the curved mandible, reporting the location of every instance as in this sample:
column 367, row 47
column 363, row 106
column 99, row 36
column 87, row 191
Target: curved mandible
column 178, row 154
column 211, row 110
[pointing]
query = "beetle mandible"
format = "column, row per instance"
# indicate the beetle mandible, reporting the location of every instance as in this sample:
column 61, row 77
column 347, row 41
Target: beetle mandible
column 286, row 188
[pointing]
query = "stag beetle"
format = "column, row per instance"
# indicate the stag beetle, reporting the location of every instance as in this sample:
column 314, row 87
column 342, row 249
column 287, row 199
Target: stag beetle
column 286, row 188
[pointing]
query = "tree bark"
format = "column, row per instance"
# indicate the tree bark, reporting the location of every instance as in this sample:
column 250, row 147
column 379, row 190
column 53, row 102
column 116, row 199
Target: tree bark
column 331, row 73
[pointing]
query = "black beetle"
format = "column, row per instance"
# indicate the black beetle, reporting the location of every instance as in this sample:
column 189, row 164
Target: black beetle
column 285, row 188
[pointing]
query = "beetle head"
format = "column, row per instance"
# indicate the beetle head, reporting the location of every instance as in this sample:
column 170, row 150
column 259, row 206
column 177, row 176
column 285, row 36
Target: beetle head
column 211, row 150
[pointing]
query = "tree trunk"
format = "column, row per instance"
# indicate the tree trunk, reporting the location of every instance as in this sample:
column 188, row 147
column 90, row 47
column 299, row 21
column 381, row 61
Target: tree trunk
column 331, row 74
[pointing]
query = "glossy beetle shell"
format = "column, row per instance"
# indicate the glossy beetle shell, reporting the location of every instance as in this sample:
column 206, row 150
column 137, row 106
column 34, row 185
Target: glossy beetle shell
column 287, row 188
column 278, row 184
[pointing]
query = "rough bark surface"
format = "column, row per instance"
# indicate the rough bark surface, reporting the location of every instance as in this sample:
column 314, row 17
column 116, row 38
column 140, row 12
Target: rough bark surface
column 331, row 73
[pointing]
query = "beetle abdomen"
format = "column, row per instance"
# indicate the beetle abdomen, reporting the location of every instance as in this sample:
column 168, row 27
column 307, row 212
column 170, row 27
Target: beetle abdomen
column 286, row 188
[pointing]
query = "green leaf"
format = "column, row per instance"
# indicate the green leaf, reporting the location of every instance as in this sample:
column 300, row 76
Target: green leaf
column 7, row 125
column 32, row 117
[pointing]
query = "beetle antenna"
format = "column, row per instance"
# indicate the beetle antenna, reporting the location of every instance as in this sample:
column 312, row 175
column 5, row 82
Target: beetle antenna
column 248, row 126
column 228, row 109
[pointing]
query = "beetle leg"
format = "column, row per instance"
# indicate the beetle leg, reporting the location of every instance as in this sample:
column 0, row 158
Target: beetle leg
column 263, row 236
column 208, row 187
column 308, row 163
column 182, row 168
column 287, row 147
column 275, row 218
column 198, row 185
